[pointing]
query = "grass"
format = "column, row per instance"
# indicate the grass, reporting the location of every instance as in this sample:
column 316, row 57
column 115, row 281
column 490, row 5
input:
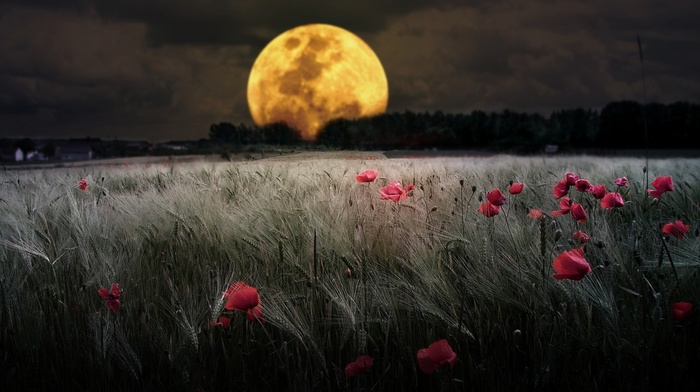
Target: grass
column 342, row 273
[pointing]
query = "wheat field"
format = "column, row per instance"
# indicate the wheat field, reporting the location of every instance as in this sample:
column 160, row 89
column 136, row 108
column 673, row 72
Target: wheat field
column 342, row 273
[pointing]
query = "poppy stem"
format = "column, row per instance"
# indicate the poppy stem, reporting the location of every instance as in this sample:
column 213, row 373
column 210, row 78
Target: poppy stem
column 461, row 204
column 670, row 260
column 460, row 318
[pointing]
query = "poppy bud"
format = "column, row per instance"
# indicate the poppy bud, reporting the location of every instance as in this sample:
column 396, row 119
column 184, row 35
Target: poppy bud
column 557, row 235
column 480, row 198
column 644, row 169
column 433, row 209
column 517, row 333
column 510, row 182
column 600, row 244
column 473, row 188
column 456, row 199
column 461, row 183
column 350, row 202
column 348, row 272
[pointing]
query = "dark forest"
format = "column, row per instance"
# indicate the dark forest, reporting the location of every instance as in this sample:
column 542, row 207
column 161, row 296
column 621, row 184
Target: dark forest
column 619, row 125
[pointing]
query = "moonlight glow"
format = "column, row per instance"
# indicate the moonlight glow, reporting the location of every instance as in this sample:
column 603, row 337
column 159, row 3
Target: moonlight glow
column 312, row 74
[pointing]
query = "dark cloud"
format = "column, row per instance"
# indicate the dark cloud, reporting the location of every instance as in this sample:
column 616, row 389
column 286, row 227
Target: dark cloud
column 163, row 69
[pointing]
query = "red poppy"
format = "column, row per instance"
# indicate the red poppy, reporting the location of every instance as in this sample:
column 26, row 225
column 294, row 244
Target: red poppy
column 111, row 296
column 366, row 176
column 583, row 186
column 622, row 181
column 362, row 364
column 564, row 206
column 612, row 200
column 395, row 191
column 255, row 314
column 676, row 229
column 535, row 214
column 571, row 178
column 241, row 297
column 222, row 321
column 437, row 354
column 234, row 287
column 561, row 189
column 496, row 198
column 581, row 236
column 571, row 265
column 662, row 184
column 83, row 184
column 681, row 310
column 489, row 209
column 598, row 191
column 578, row 213
column 515, row 188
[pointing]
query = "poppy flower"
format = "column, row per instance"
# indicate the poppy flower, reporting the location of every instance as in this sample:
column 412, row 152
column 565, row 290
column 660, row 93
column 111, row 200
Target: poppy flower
column 241, row 297
column 564, row 206
column 578, row 213
column 83, row 185
column 622, row 181
column 676, row 229
column 571, row 265
column 489, row 209
column 515, row 188
column 681, row 310
column 255, row 314
column 662, row 184
column 437, row 354
column 362, row 364
column 581, row 237
column 598, row 191
column 612, row 200
column 111, row 296
column 583, row 186
column 395, row 192
column 366, row 176
column 496, row 198
column 561, row 189
column 222, row 321
column 571, row 178
column 535, row 214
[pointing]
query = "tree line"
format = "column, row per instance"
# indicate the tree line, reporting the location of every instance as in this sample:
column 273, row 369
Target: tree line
column 619, row 125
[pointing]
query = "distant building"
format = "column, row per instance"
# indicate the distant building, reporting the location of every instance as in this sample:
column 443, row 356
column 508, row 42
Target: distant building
column 35, row 156
column 174, row 147
column 138, row 147
column 11, row 154
column 551, row 148
column 74, row 151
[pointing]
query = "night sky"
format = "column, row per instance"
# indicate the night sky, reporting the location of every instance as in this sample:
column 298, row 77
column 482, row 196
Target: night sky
column 168, row 69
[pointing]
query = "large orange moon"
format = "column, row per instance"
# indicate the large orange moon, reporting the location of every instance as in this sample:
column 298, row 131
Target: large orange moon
column 313, row 74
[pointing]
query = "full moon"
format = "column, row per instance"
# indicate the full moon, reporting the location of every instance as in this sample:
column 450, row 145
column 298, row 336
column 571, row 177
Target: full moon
column 313, row 74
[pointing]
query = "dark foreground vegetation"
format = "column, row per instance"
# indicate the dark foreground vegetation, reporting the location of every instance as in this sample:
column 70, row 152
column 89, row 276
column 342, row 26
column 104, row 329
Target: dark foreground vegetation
column 123, row 278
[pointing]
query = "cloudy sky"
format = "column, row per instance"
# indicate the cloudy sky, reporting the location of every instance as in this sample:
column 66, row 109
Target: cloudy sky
column 168, row 69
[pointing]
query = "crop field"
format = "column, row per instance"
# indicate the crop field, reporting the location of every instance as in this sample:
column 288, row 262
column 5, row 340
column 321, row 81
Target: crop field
column 296, row 274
